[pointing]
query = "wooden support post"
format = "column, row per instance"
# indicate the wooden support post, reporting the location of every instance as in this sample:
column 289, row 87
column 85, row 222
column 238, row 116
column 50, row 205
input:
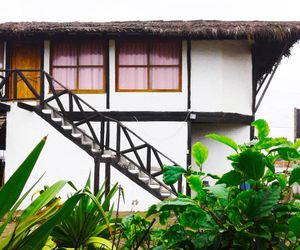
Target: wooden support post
column 96, row 175
column 189, row 153
column 107, row 179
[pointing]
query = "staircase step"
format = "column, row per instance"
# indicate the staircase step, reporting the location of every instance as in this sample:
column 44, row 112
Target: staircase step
column 77, row 135
column 143, row 177
column 57, row 119
column 164, row 192
column 47, row 111
column 67, row 127
column 154, row 184
column 133, row 169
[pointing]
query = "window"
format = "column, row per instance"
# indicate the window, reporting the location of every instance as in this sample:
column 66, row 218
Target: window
column 148, row 65
column 79, row 65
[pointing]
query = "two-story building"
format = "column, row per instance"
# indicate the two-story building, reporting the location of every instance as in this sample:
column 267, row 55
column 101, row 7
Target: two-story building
column 121, row 99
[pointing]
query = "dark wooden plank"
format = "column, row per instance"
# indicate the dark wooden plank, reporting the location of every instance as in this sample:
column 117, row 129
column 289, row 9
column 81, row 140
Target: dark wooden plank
column 179, row 116
column 4, row 107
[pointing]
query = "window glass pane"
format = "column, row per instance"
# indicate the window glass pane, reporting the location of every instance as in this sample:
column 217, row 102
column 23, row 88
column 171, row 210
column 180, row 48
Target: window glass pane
column 164, row 53
column 1, row 55
column 90, row 78
column 66, row 77
column 133, row 78
column 164, row 78
column 132, row 53
column 91, row 53
column 64, row 54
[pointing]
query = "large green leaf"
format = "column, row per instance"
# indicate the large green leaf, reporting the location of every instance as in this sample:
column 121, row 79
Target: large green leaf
column 99, row 243
column 37, row 239
column 195, row 182
column 42, row 199
column 170, row 205
column 15, row 207
column 219, row 190
column 262, row 128
column 11, row 191
column 232, row 178
column 223, row 139
column 294, row 223
column 172, row 174
column 261, row 203
column 200, row 153
column 271, row 142
column 287, row 153
column 295, row 176
column 252, row 164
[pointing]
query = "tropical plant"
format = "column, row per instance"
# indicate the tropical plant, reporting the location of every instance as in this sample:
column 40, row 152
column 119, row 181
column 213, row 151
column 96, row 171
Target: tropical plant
column 227, row 215
column 88, row 226
column 11, row 191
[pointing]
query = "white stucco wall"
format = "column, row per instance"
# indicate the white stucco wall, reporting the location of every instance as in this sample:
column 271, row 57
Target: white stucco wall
column 221, row 76
column 217, row 162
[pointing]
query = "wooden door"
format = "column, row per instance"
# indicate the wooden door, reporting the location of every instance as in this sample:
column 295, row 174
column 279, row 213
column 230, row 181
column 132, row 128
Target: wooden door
column 26, row 56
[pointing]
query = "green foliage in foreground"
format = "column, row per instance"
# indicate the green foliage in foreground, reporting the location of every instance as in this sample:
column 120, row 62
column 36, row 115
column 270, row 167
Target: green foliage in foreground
column 47, row 223
column 224, row 216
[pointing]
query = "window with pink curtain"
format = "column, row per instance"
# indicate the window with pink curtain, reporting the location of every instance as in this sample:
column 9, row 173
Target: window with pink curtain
column 149, row 65
column 79, row 65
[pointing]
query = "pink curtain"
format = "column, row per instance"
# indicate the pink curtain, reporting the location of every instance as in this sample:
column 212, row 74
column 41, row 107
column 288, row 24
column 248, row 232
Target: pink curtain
column 164, row 77
column 90, row 62
column 64, row 54
column 133, row 78
column 164, row 53
column 91, row 78
column 65, row 76
column 90, row 53
column 133, row 53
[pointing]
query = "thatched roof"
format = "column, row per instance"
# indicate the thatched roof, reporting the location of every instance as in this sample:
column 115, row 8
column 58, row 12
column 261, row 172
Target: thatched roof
column 268, row 40
column 198, row 29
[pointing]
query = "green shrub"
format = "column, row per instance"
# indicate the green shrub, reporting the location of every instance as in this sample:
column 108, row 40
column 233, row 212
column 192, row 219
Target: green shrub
column 225, row 216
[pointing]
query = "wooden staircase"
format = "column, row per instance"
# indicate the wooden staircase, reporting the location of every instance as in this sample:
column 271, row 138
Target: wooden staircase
column 93, row 132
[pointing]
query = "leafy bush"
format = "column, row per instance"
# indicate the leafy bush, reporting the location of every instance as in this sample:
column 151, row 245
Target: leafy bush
column 228, row 216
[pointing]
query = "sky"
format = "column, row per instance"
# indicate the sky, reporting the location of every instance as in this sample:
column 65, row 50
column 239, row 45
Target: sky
column 120, row 10
column 284, row 92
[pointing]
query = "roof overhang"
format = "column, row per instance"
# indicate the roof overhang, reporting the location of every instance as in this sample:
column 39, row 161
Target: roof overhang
column 269, row 41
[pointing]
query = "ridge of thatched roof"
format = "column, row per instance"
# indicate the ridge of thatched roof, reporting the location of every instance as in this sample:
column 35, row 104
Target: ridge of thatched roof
column 197, row 29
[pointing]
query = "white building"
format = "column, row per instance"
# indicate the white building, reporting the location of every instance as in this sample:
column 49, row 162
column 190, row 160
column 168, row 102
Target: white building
column 168, row 83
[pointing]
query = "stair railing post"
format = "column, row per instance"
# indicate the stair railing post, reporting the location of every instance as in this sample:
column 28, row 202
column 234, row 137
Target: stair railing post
column 102, row 127
column 42, row 88
column 118, row 142
column 148, row 165
column 96, row 175
column 107, row 180
column 107, row 135
column 15, row 84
